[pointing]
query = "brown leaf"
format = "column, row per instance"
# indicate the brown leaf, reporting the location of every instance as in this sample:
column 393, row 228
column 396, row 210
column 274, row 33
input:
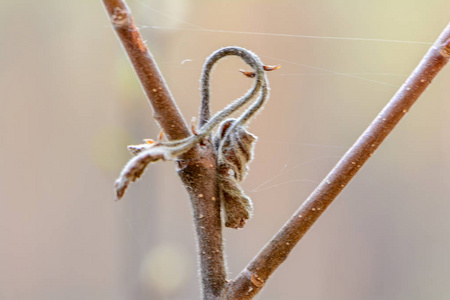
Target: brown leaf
column 247, row 73
column 271, row 68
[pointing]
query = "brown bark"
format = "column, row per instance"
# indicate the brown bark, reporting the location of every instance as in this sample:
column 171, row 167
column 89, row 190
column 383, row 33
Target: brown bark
column 195, row 168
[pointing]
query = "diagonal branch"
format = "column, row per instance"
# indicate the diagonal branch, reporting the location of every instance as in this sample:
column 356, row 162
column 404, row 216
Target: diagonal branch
column 251, row 280
column 164, row 108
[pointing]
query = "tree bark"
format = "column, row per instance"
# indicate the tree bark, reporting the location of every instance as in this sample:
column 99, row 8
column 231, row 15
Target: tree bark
column 196, row 168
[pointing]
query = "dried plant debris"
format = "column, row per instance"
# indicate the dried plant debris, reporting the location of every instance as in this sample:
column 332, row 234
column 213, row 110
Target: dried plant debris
column 232, row 142
column 148, row 153
column 234, row 151
column 136, row 166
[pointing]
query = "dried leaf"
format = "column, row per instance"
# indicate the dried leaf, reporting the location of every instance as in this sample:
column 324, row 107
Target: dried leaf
column 236, row 205
column 237, row 149
column 236, row 153
column 136, row 167
column 146, row 154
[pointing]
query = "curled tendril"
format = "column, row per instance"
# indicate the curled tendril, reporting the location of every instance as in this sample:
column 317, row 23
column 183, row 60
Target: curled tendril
column 148, row 153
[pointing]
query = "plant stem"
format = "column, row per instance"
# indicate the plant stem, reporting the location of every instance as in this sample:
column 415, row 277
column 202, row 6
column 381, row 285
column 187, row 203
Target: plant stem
column 165, row 110
column 198, row 177
column 251, row 280
column 196, row 168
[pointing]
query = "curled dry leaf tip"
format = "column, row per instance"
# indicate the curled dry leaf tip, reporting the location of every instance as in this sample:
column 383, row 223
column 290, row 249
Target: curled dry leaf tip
column 252, row 74
column 249, row 74
column 271, row 68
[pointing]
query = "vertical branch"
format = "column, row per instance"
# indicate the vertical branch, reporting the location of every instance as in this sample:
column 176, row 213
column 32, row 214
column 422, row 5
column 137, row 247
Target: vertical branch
column 198, row 177
column 196, row 167
column 251, row 280
column 165, row 110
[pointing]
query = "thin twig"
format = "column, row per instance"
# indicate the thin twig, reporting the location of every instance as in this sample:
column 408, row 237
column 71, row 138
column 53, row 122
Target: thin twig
column 251, row 280
column 166, row 112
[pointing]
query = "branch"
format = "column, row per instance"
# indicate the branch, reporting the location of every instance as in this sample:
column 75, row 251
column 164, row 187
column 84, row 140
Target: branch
column 164, row 108
column 196, row 168
column 251, row 280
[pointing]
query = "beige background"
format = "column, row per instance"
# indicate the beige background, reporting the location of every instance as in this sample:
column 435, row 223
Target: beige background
column 70, row 104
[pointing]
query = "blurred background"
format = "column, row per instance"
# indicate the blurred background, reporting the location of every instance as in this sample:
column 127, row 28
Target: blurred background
column 70, row 104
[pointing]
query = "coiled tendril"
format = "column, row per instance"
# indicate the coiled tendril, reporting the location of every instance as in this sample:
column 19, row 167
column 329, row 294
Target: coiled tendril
column 232, row 142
